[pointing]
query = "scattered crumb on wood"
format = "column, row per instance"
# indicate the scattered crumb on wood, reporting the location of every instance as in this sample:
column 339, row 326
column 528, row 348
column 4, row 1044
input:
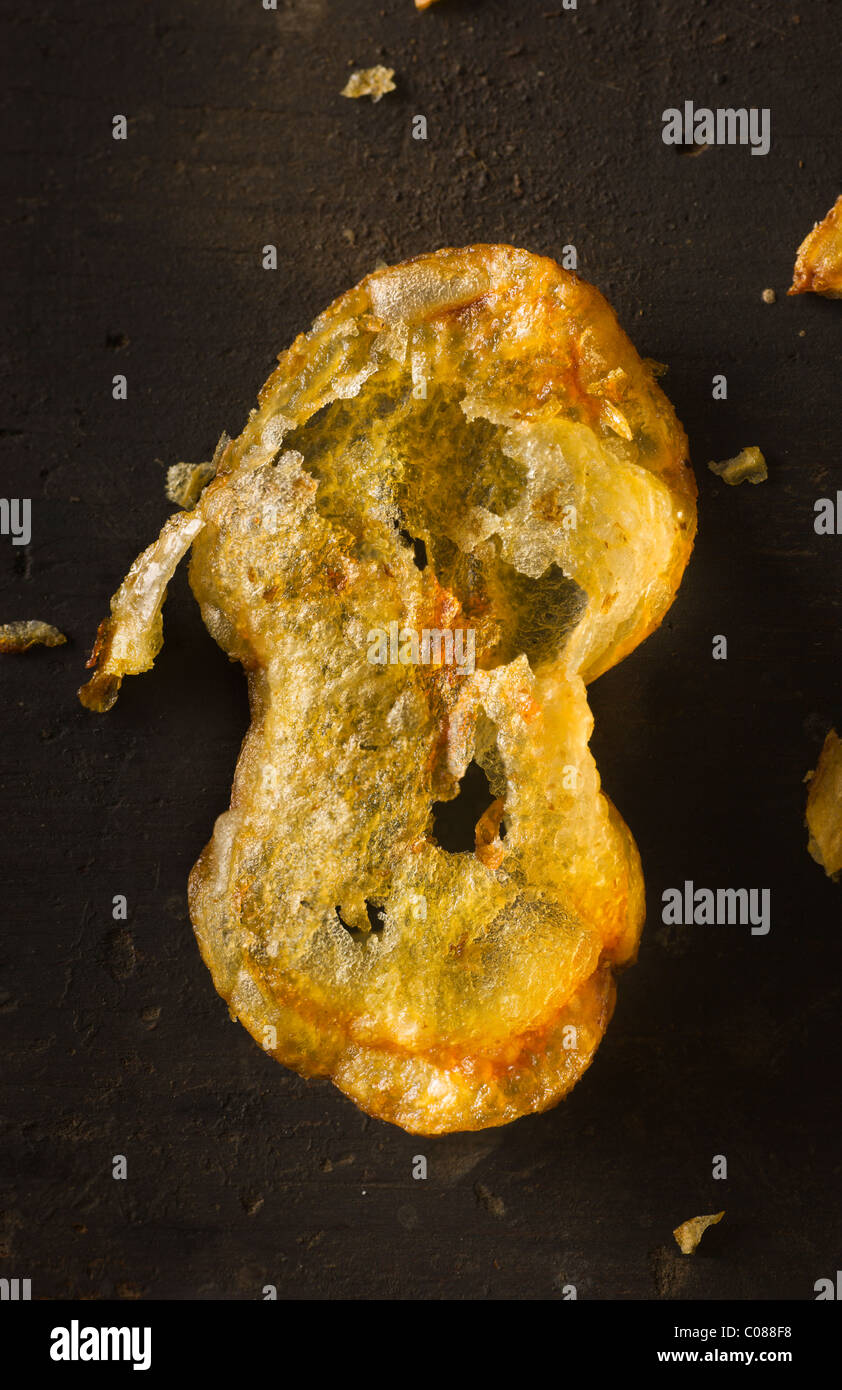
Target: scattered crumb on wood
column 769, row 297
column 689, row 1233
column 488, row 1199
column 748, row 466
column 19, row 637
column 370, row 82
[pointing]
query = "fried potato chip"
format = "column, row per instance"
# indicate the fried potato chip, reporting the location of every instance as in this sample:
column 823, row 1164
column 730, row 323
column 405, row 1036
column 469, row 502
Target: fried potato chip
column 818, row 266
column 462, row 497
column 689, row 1233
column 824, row 807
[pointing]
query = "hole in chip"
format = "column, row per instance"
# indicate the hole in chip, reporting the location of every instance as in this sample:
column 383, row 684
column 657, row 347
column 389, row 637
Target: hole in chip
column 376, row 915
column 419, row 548
column 454, row 822
column 376, row 919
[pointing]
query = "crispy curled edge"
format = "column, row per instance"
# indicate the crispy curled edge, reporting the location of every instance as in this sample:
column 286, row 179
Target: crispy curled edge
column 423, row 1094
column 128, row 641
column 818, row 265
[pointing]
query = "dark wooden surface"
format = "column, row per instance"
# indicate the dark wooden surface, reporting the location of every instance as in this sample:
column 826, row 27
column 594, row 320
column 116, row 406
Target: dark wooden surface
column 143, row 257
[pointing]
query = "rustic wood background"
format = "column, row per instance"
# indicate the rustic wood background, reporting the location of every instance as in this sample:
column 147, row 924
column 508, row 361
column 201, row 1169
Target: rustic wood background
column 143, row 257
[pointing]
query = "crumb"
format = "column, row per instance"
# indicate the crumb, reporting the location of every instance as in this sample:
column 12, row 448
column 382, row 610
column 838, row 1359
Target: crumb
column 19, row 637
column 769, row 297
column 370, row 82
column 689, row 1233
column 748, row 466
column 488, row 1199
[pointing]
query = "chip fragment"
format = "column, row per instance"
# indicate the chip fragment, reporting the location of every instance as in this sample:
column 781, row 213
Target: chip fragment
column 749, row 466
column 431, row 475
column 689, row 1233
column 824, row 808
column 370, row 82
column 20, row 636
column 818, row 266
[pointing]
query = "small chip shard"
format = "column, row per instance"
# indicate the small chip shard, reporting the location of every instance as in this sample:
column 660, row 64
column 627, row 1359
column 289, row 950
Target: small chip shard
column 187, row 481
column 749, row 466
column 689, row 1233
column 370, row 82
column 424, row 4
column 818, row 265
column 29, row 632
column 19, row 637
column 769, row 297
column 824, row 808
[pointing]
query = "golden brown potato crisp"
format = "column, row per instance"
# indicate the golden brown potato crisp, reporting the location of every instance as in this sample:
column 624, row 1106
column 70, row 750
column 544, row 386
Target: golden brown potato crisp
column 462, row 497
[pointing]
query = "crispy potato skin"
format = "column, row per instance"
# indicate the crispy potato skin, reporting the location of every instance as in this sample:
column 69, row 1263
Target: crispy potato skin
column 485, row 402
column 818, row 267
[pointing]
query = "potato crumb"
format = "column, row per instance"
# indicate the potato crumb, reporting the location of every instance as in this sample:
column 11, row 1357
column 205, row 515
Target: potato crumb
column 824, row 808
column 748, row 466
column 19, row 637
column 370, row 82
column 769, row 297
column 689, row 1233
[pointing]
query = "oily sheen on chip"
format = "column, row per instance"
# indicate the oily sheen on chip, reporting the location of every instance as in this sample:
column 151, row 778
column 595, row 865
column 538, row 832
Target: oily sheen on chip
column 486, row 403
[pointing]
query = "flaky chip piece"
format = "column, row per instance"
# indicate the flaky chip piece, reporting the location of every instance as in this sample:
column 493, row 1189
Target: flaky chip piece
column 29, row 632
column 370, row 82
column 824, row 807
column 465, row 445
column 818, row 266
column 749, row 466
column 689, row 1233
